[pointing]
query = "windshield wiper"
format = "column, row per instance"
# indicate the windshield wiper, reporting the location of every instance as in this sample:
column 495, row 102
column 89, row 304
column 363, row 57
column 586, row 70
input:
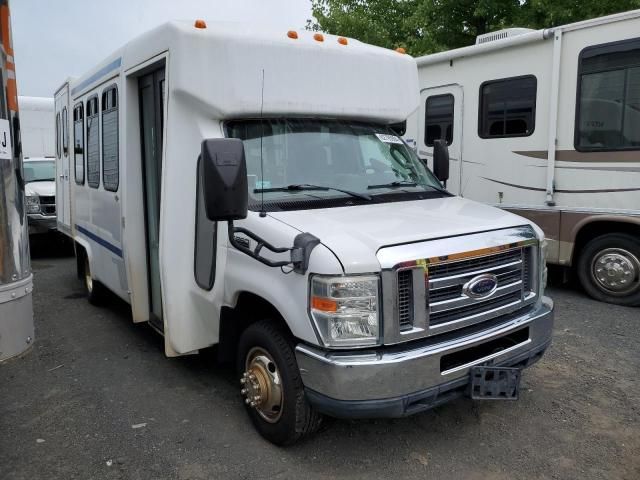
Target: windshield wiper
column 405, row 183
column 41, row 180
column 299, row 187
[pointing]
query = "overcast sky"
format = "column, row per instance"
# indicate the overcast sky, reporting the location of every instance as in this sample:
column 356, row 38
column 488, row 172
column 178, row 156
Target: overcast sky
column 55, row 39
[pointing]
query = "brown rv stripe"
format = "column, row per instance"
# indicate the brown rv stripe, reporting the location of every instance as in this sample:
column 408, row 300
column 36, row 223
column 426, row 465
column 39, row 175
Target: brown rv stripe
column 587, row 157
column 522, row 187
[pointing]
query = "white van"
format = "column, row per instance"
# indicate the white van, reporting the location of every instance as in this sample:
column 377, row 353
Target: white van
column 39, row 162
column 544, row 124
column 244, row 189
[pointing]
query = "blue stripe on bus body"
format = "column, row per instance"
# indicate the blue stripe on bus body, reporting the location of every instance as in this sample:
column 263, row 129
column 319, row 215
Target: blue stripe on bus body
column 96, row 76
column 100, row 241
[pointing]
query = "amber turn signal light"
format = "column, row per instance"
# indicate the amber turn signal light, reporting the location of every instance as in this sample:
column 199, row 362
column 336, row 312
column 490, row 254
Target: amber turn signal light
column 200, row 24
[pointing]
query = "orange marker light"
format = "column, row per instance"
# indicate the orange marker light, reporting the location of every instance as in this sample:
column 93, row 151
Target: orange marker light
column 318, row 37
column 324, row 304
column 292, row 34
column 342, row 41
column 401, row 50
column 200, row 24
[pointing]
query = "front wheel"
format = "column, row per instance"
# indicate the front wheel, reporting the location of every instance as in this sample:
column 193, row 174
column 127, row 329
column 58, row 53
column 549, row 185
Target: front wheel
column 271, row 385
column 609, row 269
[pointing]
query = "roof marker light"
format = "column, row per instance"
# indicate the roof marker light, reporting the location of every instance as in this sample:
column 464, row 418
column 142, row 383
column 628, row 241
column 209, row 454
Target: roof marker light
column 292, row 34
column 401, row 50
column 343, row 41
column 318, row 37
column 200, row 24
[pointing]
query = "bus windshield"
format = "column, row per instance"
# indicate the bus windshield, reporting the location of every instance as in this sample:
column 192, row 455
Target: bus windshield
column 303, row 158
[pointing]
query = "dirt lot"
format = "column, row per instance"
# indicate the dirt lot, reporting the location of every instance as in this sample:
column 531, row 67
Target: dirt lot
column 96, row 398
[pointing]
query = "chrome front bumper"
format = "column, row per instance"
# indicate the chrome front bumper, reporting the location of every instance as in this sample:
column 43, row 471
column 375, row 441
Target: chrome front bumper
column 392, row 382
column 39, row 223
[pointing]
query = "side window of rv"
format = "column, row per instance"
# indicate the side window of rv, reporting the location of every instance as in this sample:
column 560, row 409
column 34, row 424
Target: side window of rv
column 110, row 161
column 93, row 143
column 507, row 107
column 65, row 132
column 608, row 98
column 205, row 254
column 78, row 142
column 439, row 119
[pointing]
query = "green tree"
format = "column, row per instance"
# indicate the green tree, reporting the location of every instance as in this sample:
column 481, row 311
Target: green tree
column 425, row 26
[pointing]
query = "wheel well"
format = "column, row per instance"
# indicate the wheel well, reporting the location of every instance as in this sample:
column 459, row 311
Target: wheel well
column 80, row 254
column 597, row 228
column 249, row 309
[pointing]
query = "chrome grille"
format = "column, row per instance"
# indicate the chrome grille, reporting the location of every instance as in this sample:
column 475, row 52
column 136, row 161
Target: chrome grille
column 405, row 299
column 449, row 307
column 48, row 205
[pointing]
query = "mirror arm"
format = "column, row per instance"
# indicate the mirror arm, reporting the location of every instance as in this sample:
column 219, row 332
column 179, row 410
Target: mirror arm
column 303, row 244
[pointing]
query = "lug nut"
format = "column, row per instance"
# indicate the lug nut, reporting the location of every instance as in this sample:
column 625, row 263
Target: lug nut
column 253, row 404
column 247, row 401
column 243, row 381
column 243, row 391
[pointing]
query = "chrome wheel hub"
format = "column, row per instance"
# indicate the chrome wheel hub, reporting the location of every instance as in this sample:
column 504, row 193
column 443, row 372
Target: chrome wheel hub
column 261, row 385
column 616, row 271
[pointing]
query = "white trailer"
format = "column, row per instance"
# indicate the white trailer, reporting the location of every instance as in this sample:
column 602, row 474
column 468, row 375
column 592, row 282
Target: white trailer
column 546, row 124
column 243, row 189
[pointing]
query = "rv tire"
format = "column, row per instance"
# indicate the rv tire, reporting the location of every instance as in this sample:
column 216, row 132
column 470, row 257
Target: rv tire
column 95, row 290
column 289, row 417
column 609, row 269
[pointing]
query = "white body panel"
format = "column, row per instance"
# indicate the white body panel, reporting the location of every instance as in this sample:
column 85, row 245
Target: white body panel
column 36, row 128
column 518, row 172
column 210, row 76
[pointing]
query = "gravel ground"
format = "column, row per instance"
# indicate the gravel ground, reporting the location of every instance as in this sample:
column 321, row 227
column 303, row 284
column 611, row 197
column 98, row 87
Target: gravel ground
column 96, row 398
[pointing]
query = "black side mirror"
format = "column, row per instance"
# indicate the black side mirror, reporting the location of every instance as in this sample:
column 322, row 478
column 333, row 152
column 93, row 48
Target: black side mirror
column 224, row 179
column 441, row 160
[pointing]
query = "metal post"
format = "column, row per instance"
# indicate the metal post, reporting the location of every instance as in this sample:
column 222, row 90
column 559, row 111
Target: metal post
column 16, row 280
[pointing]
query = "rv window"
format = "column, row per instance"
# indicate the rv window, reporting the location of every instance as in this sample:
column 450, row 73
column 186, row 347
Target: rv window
column 507, row 107
column 65, row 132
column 608, row 105
column 78, row 143
column 205, row 254
column 93, row 143
column 58, row 135
column 439, row 119
column 110, row 167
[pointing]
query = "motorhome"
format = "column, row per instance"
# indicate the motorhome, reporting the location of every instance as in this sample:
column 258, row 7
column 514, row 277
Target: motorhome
column 243, row 188
column 39, row 162
column 544, row 124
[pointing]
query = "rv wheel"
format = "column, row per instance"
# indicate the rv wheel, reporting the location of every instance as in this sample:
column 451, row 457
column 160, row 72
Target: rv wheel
column 609, row 269
column 271, row 386
column 95, row 290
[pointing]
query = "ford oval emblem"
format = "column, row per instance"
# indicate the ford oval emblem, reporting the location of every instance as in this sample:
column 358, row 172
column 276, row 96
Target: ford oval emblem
column 481, row 286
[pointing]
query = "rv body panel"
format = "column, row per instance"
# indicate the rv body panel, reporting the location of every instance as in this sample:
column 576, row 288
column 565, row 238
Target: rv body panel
column 515, row 172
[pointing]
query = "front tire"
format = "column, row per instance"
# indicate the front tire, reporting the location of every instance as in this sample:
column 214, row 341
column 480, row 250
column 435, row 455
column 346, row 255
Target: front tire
column 271, row 385
column 609, row 269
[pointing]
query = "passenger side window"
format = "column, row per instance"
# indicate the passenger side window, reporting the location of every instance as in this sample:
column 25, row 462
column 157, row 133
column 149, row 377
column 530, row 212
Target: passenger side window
column 110, row 161
column 608, row 105
column 507, row 107
column 206, row 239
column 78, row 143
column 93, row 143
column 439, row 119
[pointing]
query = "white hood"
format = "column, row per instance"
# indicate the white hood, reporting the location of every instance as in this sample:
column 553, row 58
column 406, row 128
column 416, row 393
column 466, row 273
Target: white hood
column 355, row 234
column 42, row 189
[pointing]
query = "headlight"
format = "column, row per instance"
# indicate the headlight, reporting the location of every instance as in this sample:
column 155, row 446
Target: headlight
column 345, row 310
column 33, row 204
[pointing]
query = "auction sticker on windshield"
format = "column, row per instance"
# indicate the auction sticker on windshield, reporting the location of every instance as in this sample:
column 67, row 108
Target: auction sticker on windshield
column 5, row 140
column 388, row 138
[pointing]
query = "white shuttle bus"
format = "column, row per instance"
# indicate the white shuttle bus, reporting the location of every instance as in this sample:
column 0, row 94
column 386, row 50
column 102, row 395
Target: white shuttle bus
column 245, row 189
column 546, row 124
